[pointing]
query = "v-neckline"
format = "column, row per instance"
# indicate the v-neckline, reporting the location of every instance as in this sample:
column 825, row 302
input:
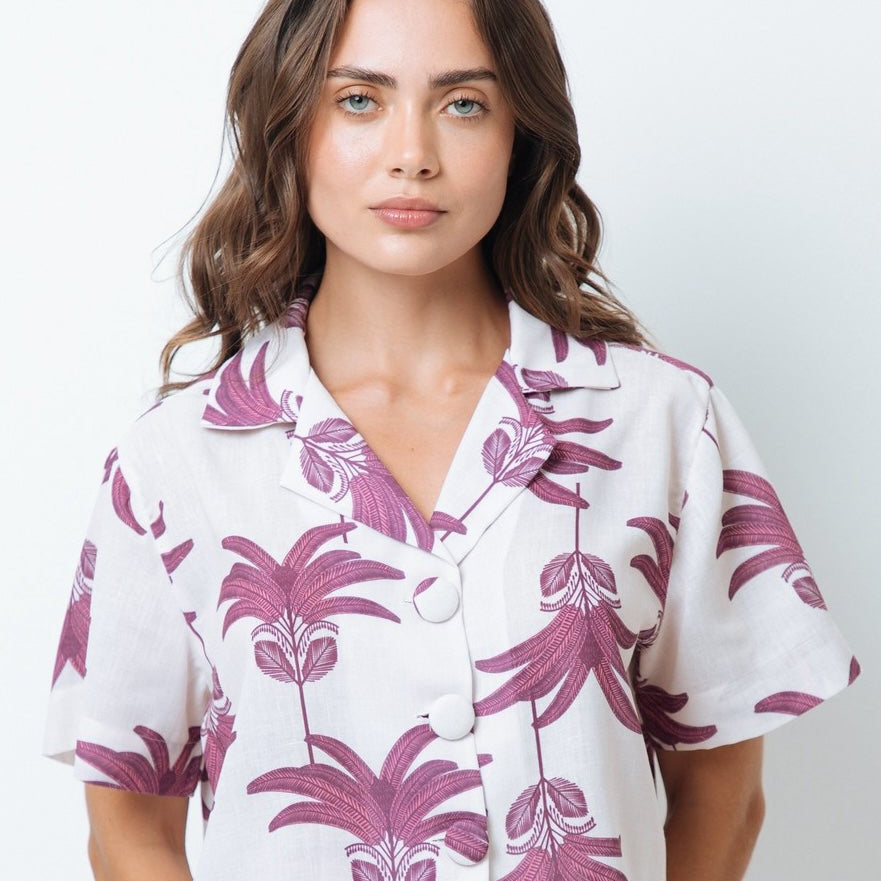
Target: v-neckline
column 439, row 517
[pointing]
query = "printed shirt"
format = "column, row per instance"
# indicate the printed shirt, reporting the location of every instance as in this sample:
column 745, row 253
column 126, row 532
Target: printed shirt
column 262, row 615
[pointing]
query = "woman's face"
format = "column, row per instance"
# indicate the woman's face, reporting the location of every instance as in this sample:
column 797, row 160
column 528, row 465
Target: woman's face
column 449, row 143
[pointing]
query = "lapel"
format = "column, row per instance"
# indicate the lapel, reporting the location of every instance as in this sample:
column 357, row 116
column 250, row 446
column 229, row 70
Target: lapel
column 508, row 440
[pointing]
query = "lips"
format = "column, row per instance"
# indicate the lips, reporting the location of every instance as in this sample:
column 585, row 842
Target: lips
column 408, row 203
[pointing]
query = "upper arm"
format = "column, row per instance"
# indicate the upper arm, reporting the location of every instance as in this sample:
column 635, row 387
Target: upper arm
column 119, row 818
column 731, row 774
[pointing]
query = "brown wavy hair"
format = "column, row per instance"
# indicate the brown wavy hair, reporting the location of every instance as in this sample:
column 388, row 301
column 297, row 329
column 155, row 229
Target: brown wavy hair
column 256, row 242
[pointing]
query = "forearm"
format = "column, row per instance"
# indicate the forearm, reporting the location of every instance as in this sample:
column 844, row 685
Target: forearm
column 711, row 839
column 141, row 863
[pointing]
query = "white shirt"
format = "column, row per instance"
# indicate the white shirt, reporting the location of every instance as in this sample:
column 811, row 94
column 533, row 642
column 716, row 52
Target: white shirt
column 261, row 614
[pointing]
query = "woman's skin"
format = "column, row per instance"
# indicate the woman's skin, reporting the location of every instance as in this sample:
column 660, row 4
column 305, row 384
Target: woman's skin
column 405, row 331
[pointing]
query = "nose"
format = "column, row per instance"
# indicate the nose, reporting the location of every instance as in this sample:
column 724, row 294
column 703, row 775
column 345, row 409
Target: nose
column 411, row 149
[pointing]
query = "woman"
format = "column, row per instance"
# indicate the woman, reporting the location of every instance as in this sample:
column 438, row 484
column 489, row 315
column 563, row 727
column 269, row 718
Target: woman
column 441, row 563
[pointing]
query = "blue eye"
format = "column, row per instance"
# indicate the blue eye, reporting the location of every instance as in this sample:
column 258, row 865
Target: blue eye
column 355, row 96
column 461, row 101
column 359, row 109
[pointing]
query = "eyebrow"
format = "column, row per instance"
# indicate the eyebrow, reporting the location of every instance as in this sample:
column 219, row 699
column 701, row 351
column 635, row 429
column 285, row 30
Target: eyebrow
column 441, row 81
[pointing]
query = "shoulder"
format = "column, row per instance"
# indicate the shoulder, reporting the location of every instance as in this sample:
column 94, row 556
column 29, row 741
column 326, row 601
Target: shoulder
column 166, row 437
column 661, row 378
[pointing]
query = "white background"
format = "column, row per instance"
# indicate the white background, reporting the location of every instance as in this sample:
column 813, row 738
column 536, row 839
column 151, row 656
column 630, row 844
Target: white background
column 735, row 153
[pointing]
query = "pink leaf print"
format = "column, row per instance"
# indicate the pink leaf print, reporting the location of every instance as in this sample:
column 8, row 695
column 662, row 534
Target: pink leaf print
column 656, row 706
column 557, row 846
column 272, row 661
column 122, row 502
column 292, row 601
column 569, row 457
column 512, row 459
column 656, row 571
column 109, row 462
column 74, row 638
column 336, row 460
column 157, row 527
column 387, row 814
column 173, row 558
column 794, row 703
column 495, row 451
column 447, row 523
column 854, row 670
column 548, row 491
column 321, row 658
column 765, row 524
column 218, row 731
column 468, row 837
column 561, row 346
column 583, row 637
column 244, row 402
column 133, row 771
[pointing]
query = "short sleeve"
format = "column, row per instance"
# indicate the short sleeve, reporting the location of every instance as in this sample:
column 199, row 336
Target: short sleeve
column 128, row 687
column 746, row 641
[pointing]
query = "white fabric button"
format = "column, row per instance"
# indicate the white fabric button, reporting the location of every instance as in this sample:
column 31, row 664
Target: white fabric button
column 451, row 716
column 436, row 599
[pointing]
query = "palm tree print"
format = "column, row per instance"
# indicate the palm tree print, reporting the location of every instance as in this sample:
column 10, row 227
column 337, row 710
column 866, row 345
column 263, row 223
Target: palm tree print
column 137, row 773
column 75, row 631
column 583, row 637
column 386, row 813
column 764, row 524
column 554, row 815
column 294, row 642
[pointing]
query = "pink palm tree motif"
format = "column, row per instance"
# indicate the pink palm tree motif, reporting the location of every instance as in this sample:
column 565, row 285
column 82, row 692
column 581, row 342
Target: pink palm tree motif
column 554, row 815
column 75, row 631
column 133, row 771
column 385, row 813
column 336, row 460
column 247, row 401
column 764, row 524
column 217, row 725
column 294, row 641
column 511, row 454
column 583, row 637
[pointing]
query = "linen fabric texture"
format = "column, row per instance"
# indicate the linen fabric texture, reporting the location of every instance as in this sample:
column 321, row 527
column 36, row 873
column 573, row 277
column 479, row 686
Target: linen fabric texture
column 262, row 619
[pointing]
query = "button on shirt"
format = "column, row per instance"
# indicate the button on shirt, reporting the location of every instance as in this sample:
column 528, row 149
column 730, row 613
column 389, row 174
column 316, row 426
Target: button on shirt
column 261, row 615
